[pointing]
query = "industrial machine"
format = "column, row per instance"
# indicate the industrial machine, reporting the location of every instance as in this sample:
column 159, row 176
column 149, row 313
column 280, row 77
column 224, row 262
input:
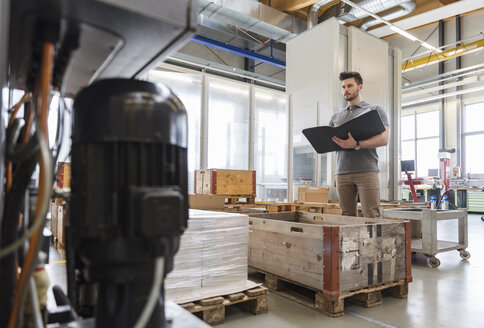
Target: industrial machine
column 129, row 157
column 445, row 171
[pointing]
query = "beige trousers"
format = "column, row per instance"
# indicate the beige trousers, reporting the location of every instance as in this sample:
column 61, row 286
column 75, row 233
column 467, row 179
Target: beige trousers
column 365, row 184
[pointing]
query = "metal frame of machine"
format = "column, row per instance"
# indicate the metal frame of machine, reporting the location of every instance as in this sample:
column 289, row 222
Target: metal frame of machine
column 63, row 46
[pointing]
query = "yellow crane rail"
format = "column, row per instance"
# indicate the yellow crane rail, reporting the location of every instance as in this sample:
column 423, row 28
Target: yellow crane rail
column 435, row 57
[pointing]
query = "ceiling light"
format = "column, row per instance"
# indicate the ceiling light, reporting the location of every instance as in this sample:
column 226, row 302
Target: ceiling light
column 403, row 33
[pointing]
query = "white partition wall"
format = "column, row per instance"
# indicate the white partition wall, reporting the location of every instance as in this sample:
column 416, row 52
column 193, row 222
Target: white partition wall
column 311, row 78
column 369, row 56
column 314, row 60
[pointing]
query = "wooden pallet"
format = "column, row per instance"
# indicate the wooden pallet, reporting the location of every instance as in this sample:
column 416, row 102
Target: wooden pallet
column 367, row 297
column 237, row 199
column 212, row 310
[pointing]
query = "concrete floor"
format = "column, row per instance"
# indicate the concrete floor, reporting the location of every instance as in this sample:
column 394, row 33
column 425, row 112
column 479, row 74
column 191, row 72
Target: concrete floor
column 447, row 296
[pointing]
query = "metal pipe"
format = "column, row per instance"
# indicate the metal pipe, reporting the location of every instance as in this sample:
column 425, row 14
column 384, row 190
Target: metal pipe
column 407, row 8
column 317, row 175
column 312, row 19
column 373, row 6
column 252, row 136
column 204, row 124
column 395, row 118
column 458, row 65
column 441, row 92
column 237, row 51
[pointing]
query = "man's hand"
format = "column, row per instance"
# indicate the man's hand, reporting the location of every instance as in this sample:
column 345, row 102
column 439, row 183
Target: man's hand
column 349, row 143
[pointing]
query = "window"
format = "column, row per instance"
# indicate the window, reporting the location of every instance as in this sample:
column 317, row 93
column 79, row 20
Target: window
column 228, row 125
column 271, row 144
column 473, row 139
column 188, row 88
column 420, row 141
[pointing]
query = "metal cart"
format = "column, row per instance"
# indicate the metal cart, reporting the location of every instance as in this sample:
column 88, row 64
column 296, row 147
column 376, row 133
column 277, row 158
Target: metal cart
column 425, row 241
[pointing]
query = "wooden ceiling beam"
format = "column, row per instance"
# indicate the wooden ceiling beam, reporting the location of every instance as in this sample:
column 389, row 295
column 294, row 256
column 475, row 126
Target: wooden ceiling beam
column 289, row 5
column 436, row 22
column 421, row 7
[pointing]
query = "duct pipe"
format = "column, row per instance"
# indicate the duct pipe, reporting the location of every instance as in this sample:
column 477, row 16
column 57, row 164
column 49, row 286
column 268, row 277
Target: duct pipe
column 312, row 19
column 407, row 8
column 374, row 6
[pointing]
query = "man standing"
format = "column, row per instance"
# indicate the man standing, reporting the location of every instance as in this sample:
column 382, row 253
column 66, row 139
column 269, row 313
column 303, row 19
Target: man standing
column 357, row 164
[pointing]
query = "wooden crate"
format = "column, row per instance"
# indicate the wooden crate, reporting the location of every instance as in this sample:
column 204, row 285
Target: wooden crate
column 313, row 195
column 206, row 202
column 229, row 183
column 334, row 255
column 325, row 208
column 212, row 310
column 64, row 175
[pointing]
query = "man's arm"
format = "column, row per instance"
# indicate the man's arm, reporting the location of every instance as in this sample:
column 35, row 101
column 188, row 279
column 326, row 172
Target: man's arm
column 376, row 141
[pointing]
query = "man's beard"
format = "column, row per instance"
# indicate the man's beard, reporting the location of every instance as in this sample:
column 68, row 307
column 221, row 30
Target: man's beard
column 352, row 96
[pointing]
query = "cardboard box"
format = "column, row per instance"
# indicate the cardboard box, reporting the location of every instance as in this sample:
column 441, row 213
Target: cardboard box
column 206, row 202
column 313, row 195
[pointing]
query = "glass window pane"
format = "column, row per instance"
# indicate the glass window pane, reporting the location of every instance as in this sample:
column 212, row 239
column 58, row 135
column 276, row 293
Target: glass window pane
column 408, row 127
column 228, row 125
column 408, row 150
column 188, row 88
column 271, row 144
column 427, row 156
column 474, row 160
column 304, row 162
column 428, row 124
column 474, row 116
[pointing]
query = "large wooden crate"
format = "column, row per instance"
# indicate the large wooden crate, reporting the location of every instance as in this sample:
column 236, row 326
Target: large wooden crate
column 225, row 182
column 313, row 195
column 336, row 255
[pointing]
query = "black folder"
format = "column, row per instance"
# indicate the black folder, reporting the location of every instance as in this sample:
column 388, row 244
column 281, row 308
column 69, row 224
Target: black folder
column 361, row 128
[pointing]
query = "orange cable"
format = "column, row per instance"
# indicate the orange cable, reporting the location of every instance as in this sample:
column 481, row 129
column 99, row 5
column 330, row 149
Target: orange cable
column 45, row 78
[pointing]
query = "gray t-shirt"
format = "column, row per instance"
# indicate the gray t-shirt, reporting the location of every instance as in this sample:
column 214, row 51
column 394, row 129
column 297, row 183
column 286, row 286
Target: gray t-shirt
column 365, row 159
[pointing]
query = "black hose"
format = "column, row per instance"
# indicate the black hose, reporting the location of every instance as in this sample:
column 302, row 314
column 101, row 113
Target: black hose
column 24, row 151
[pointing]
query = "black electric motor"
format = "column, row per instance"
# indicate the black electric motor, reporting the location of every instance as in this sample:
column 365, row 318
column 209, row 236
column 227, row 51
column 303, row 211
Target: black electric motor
column 129, row 193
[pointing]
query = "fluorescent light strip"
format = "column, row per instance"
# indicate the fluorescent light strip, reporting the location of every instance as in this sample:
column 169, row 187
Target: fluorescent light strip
column 444, row 95
column 403, row 33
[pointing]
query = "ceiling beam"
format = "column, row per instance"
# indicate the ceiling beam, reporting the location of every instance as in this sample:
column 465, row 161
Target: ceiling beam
column 422, row 6
column 448, row 12
column 433, row 58
column 289, row 5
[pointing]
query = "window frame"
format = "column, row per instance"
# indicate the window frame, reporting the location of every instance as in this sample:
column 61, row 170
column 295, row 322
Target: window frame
column 416, row 138
column 465, row 134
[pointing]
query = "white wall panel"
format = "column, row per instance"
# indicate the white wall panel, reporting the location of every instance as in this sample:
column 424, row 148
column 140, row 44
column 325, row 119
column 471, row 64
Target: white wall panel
column 369, row 56
column 312, row 62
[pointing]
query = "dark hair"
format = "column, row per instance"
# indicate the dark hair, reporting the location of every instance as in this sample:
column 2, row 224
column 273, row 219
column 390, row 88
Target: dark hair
column 347, row 75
